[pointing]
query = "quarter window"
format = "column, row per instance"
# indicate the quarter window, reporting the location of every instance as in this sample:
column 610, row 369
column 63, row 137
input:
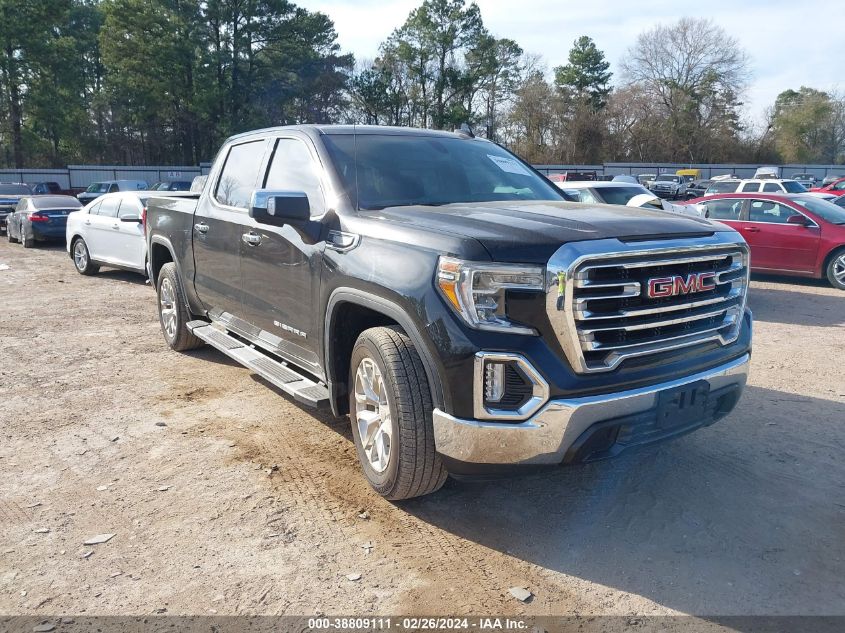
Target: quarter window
column 750, row 187
column 771, row 187
column 767, row 211
column 95, row 209
column 293, row 169
column 240, row 174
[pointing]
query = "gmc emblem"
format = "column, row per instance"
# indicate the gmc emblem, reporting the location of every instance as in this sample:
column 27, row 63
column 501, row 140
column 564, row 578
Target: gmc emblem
column 659, row 287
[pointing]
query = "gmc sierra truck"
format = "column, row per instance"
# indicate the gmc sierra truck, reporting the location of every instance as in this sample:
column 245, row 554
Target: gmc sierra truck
column 444, row 295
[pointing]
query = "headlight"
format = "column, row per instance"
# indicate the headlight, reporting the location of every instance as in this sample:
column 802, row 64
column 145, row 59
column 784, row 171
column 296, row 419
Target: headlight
column 476, row 291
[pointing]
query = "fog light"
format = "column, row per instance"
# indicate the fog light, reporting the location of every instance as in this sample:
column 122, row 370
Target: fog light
column 494, row 381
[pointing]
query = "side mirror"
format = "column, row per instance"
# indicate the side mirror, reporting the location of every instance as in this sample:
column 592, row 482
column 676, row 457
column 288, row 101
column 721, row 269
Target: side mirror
column 798, row 219
column 278, row 208
column 130, row 217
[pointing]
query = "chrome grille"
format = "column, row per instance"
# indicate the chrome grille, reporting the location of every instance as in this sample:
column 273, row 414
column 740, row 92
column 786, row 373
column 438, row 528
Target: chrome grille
column 601, row 311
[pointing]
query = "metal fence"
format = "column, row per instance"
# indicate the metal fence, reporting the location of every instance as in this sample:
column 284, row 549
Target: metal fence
column 80, row 176
column 707, row 171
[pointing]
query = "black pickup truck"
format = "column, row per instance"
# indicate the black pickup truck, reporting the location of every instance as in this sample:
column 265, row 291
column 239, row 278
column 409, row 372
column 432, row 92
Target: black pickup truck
column 444, row 295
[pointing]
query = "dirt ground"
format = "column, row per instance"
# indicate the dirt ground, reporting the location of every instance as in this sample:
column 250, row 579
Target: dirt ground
column 224, row 496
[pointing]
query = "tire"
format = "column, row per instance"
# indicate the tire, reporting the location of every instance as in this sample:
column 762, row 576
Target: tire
column 404, row 464
column 836, row 269
column 173, row 312
column 28, row 241
column 9, row 237
column 82, row 258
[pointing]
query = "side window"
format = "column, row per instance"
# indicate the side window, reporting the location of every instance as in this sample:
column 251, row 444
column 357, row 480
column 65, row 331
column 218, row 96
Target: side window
column 767, row 211
column 750, row 187
column 240, row 174
column 772, row 187
column 21, row 205
column 109, row 206
column 724, row 209
column 128, row 206
column 113, row 187
column 293, row 169
column 95, row 209
column 585, row 195
column 839, row 186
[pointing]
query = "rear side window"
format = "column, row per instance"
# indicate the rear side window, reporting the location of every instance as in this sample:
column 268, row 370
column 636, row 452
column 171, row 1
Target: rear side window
column 771, row 187
column 293, row 169
column 724, row 209
column 750, row 187
column 240, row 174
column 129, row 206
column 108, row 207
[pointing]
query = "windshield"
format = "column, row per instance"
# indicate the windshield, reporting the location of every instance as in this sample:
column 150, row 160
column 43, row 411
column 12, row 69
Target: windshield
column 98, row 187
column 665, row 178
column 381, row 170
column 56, row 202
column 621, row 195
column 723, row 186
column 793, row 187
column 824, row 209
column 14, row 190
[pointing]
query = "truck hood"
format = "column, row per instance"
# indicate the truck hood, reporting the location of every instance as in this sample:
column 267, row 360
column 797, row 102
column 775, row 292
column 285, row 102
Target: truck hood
column 533, row 231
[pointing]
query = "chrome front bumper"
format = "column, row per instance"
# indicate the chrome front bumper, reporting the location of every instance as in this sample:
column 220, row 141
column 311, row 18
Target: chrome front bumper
column 545, row 437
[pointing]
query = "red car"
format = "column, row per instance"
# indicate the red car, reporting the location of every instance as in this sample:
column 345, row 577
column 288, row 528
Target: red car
column 789, row 234
column 837, row 188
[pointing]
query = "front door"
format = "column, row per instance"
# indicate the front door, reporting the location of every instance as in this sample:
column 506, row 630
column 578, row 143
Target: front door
column 133, row 247
column 280, row 272
column 221, row 219
column 776, row 244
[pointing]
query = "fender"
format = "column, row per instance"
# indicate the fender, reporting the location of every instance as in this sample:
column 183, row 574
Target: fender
column 188, row 286
column 393, row 311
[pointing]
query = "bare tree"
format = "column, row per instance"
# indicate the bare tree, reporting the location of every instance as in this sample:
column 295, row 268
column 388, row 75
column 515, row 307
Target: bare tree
column 697, row 72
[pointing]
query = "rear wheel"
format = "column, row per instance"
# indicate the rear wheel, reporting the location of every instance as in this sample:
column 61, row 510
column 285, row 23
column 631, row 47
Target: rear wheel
column 28, row 241
column 82, row 258
column 836, row 269
column 173, row 311
column 391, row 413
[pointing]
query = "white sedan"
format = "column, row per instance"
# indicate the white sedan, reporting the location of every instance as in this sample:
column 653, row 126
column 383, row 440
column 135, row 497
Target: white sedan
column 110, row 232
column 623, row 193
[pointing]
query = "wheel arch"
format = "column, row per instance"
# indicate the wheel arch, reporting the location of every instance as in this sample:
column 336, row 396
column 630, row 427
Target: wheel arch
column 348, row 313
column 836, row 250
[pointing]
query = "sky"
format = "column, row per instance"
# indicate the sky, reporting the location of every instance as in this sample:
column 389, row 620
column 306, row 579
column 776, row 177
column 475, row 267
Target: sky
column 787, row 40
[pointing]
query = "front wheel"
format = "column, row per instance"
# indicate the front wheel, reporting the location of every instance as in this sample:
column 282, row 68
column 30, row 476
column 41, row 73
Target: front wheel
column 836, row 270
column 391, row 412
column 173, row 310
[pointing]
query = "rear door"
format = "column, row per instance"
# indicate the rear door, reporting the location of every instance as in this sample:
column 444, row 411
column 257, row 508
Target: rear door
column 103, row 243
column 221, row 219
column 776, row 244
column 280, row 273
column 133, row 246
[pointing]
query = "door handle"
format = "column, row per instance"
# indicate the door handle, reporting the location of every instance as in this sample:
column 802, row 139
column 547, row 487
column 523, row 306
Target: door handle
column 87, row 222
column 116, row 227
column 751, row 229
column 253, row 239
column 201, row 227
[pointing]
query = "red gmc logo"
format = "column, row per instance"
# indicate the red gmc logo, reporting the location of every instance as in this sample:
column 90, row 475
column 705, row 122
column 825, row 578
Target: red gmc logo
column 679, row 285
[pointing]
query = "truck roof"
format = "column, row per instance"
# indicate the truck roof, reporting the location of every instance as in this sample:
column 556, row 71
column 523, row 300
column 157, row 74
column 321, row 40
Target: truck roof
column 354, row 129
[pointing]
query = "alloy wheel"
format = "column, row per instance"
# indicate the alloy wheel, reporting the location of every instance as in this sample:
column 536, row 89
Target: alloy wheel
column 167, row 303
column 839, row 269
column 80, row 255
column 373, row 415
